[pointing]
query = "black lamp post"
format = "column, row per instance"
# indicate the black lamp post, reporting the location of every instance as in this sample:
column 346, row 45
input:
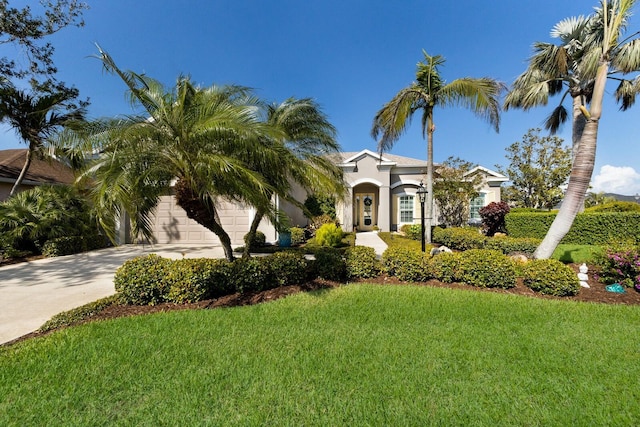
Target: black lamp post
column 422, row 196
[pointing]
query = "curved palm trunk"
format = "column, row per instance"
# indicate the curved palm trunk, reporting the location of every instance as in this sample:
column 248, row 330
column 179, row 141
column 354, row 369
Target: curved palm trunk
column 23, row 172
column 430, row 130
column 204, row 213
column 583, row 164
column 246, row 253
column 579, row 123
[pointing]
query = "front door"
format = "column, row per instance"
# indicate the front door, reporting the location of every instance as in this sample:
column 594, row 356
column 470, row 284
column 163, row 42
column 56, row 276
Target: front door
column 365, row 211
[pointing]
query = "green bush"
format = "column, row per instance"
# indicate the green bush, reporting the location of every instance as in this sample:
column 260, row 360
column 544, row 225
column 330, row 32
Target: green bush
column 329, row 235
column 550, row 277
column 458, row 238
column 511, row 245
column 361, row 262
column 252, row 275
column 408, row 265
column 258, row 240
column 487, row 268
column 445, row 266
column 79, row 314
column 288, row 268
column 619, row 264
column 297, row 236
column 412, row 231
column 192, row 280
column 330, row 265
column 68, row 245
column 141, row 280
column 615, row 207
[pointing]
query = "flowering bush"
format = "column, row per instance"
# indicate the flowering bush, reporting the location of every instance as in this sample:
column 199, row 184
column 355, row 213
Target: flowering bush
column 620, row 265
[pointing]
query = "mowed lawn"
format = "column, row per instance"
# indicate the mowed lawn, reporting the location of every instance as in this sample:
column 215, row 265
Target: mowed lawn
column 355, row 355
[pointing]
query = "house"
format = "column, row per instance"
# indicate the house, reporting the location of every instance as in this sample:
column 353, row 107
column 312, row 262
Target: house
column 41, row 171
column 381, row 195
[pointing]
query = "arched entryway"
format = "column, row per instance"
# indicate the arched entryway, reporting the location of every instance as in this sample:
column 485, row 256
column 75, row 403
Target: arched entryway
column 366, row 204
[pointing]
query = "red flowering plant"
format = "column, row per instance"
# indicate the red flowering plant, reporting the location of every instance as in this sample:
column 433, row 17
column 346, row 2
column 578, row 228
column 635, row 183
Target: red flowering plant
column 620, row 265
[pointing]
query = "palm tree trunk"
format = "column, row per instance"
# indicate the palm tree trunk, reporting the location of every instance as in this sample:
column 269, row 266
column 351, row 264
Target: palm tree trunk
column 430, row 130
column 204, row 213
column 23, row 172
column 579, row 122
column 252, row 232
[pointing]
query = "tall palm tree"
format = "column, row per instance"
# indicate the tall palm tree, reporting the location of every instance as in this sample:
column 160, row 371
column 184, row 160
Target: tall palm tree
column 184, row 135
column 36, row 118
column 592, row 51
column 480, row 95
column 303, row 138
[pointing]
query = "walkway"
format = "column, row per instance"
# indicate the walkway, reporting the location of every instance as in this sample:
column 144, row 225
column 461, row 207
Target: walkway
column 32, row 292
column 371, row 239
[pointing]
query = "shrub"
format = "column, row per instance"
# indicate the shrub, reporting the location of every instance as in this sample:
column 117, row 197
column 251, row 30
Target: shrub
column 288, row 268
column 445, row 266
column 412, row 231
column 487, row 268
column 550, row 277
column 511, row 245
column 329, row 265
column 361, row 262
column 408, row 265
column 461, row 239
column 615, row 207
column 258, row 240
column 493, row 217
column 79, row 314
column 620, row 265
column 192, row 280
column 329, row 235
column 141, row 280
column 68, row 245
column 297, row 236
column 252, row 275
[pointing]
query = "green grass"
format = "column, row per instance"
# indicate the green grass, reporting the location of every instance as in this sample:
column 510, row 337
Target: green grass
column 396, row 240
column 356, row 355
column 577, row 253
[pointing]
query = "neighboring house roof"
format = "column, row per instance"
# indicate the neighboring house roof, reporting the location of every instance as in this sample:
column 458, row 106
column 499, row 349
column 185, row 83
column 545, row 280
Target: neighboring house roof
column 41, row 171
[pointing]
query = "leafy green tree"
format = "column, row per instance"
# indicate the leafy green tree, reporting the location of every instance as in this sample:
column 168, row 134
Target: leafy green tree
column 203, row 139
column 301, row 137
column 27, row 32
column 430, row 90
column 593, row 50
column 36, row 118
column 538, row 167
column 596, row 199
column 454, row 189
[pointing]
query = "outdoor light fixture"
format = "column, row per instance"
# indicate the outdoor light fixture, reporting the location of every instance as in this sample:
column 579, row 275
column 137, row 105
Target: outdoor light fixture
column 422, row 196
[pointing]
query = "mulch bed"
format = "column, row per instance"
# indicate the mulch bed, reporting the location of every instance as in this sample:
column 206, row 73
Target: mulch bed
column 595, row 294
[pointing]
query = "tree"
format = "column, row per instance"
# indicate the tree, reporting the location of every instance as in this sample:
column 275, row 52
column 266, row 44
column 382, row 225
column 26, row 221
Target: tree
column 595, row 199
column 454, row 189
column 593, row 51
column 188, row 135
column 480, row 95
column 21, row 28
column 36, row 117
column 302, row 137
column 538, row 166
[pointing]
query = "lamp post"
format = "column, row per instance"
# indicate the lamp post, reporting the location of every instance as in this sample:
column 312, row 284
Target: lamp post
column 422, row 196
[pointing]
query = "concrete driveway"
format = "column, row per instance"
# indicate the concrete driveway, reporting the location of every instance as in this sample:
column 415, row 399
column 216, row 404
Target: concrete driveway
column 32, row 292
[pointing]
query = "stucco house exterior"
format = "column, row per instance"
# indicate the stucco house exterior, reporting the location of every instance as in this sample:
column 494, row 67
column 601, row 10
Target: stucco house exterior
column 40, row 172
column 381, row 195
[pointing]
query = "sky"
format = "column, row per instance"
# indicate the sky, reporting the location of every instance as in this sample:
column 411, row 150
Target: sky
column 351, row 56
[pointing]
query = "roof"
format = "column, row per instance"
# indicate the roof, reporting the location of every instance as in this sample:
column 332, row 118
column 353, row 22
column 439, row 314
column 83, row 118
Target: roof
column 41, row 171
column 352, row 156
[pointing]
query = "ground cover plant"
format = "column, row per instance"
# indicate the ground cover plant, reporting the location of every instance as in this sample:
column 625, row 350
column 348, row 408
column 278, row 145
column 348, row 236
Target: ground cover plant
column 356, row 355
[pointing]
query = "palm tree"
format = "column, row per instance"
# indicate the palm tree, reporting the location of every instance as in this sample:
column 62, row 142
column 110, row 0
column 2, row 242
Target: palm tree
column 186, row 135
column 480, row 95
column 592, row 52
column 302, row 137
column 36, row 118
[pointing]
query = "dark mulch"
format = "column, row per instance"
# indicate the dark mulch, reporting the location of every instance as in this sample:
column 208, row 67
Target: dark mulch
column 595, row 294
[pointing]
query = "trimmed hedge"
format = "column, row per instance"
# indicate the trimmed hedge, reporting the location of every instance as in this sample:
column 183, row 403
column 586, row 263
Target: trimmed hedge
column 141, row 280
column 408, row 265
column 362, row 262
column 69, row 245
column 459, row 238
column 487, row 268
column 329, row 264
column 445, row 266
column 510, row 245
column 550, row 277
column 597, row 228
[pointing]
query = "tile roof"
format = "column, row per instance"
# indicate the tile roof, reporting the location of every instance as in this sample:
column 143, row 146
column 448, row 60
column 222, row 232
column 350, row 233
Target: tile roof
column 41, row 170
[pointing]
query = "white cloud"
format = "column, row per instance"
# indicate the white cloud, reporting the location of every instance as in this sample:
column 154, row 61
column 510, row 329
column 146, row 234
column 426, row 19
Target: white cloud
column 616, row 179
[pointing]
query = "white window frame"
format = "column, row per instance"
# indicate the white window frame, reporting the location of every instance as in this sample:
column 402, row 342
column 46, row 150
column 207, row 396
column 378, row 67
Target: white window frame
column 477, row 207
column 405, row 209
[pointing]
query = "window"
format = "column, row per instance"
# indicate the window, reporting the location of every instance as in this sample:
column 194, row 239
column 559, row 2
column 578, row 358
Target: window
column 406, row 209
column 476, row 205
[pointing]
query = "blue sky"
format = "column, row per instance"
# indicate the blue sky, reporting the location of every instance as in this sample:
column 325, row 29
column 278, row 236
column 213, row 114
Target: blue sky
column 350, row 55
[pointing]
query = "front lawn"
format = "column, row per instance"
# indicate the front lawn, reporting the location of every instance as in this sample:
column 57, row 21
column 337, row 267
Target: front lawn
column 355, row 355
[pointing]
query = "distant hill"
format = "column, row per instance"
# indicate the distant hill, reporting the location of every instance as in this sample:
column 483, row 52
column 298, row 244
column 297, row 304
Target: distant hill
column 622, row 198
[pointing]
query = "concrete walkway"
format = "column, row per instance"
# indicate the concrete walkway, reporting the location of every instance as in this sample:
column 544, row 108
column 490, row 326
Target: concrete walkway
column 32, row 292
column 371, row 239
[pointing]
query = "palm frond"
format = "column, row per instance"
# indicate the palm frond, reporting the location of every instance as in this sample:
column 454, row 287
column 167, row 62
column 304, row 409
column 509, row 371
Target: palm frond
column 556, row 119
